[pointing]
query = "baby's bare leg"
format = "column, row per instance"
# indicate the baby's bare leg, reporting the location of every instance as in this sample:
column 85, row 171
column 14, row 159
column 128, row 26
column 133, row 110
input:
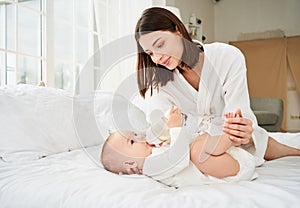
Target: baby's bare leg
column 277, row 150
column 219, row 166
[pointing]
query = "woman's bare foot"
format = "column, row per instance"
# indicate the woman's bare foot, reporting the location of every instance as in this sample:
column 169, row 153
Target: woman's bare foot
column 277, row 150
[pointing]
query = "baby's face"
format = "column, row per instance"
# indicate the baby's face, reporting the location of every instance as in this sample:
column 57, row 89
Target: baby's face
column 130, row 144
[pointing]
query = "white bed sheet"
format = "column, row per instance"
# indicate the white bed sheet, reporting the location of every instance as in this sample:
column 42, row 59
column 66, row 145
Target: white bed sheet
column 74, row 180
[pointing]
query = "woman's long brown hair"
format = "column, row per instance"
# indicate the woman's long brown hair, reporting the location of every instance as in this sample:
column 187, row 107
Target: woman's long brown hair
column 149, row 75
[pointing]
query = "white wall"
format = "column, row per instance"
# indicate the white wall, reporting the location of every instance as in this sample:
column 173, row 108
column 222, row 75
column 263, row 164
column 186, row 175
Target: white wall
column 293, row 105
column 233, row 17
column 225, row 20
column 203, row 9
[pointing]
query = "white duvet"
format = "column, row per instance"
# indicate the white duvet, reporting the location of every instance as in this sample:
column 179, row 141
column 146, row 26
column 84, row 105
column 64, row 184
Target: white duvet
column 42, row 164
column 75, row 180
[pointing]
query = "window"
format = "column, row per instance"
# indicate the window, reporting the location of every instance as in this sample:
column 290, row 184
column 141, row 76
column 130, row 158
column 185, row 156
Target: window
column 54, row 40
column 50, row 44
column 22, row 33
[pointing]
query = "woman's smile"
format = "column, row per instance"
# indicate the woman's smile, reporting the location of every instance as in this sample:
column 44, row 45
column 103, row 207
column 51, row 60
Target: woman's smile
column 166, row 62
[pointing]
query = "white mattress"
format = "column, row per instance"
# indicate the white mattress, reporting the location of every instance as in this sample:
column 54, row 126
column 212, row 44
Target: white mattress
column 74, row 180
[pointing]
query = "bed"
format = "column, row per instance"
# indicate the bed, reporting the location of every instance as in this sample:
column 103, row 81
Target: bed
column 48, row 168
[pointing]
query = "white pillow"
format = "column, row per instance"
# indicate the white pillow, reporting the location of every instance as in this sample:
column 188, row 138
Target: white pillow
column 39, row 121
column 115, row 113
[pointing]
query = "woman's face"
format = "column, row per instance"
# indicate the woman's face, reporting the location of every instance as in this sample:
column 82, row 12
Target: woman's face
column 165, row 48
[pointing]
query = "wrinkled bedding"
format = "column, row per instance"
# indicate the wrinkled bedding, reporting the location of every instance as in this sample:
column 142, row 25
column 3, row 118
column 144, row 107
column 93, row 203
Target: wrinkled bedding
column 49, row 157
column 76, row 179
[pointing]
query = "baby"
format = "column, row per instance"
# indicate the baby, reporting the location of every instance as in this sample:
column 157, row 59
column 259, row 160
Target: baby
column 211, row 158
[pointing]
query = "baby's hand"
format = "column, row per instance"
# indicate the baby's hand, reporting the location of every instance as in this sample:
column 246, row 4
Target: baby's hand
column 175, row 118
column 233, row 115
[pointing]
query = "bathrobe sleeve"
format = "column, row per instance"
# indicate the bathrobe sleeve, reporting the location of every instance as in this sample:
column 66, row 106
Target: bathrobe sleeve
column 236, row 96
column 172, row 161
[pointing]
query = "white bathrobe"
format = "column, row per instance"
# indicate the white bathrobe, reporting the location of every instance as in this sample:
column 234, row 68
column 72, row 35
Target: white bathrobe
column 170, row 164
column 223, row 88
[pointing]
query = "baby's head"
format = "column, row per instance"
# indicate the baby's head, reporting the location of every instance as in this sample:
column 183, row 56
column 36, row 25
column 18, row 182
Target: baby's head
column 124, row 150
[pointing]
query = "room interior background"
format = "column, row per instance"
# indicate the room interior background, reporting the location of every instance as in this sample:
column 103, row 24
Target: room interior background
column 52, row 40
column 237, row 20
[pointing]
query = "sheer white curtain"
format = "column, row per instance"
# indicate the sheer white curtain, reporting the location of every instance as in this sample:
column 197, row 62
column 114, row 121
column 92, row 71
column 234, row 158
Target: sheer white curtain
column 70, row 41
column 115, row 23
column 117, row 18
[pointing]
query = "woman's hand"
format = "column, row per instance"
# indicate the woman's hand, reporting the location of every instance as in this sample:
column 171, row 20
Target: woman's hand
column 240, row 129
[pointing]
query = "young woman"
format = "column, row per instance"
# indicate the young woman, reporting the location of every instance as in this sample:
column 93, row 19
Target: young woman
column 204, row 79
